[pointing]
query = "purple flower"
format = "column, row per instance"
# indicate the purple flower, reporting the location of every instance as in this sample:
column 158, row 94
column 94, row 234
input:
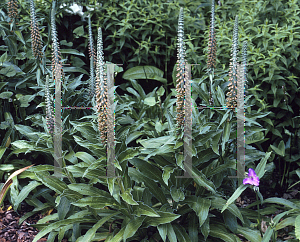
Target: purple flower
column 252, row 178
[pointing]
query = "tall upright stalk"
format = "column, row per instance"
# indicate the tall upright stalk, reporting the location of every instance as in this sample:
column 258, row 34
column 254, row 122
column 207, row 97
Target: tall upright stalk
column 232, row 94
column 212, row 51
column 93, row 60
column 182, row 74
column 101, row 90
column 36, row 40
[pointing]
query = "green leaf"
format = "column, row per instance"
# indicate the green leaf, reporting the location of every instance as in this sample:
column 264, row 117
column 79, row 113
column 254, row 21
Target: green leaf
column 25, row 191
column 145, row 72
column 74, row 69
column 260, row 169
column 268, row 234
column 79, row 31
column 148, row 170
column 132, row 227
column 177, row 194
column 220, row 232
column 160, row 92
column 3, row 59
column 59, row 224
column 164, row 218
column 201, row 179
column 193, row 228
column 249, row 234
column 88, row 190
column 90, row 234
column 153, row 187
column 127, row 197
column 297, row 227
column 8, row 71
column 181, row 234
column 150, row 101
column 163, row 230
column 89, row 159
column 9, row 182
column 95, row 202
column 167, row 173
column 2, row 151
column 200, row 206
column 128, row 154
column 230, row 221
column 6, row 95
column 234, row 196
column 119, row 236
column 52, row 182
column 144, row 209
column 20, row 36
column 205, row 228
column 215, row 142
column 289, row 221
column 71, row 51
column 281, row 201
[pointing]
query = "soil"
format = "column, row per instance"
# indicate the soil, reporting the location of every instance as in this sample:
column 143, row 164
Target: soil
column 11, row 231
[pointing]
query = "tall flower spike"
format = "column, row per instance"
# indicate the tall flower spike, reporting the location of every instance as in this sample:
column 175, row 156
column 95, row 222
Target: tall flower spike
column 49, row 107
column 182, row 74
column 56, row 55
column 232, row 94
column 101, row 90
column 12, row 7
column 36, row 42
column 212, row 50
column 244, row 54
column 93, row 60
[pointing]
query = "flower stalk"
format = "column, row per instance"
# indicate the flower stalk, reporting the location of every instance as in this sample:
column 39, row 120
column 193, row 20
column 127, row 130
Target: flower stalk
column 12, row 8
column 49, row 108
column 232, row 94
column 182, row 73
column 93, row 60
column 212, row 52
column 101, row 90
column 56, row 55
column 36, row 40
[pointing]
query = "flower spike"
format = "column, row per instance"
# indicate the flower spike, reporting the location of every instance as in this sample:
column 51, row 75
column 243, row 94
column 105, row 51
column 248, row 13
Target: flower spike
column 232, row 94
column 36, row 42
column 182, row 74
column 101, row 90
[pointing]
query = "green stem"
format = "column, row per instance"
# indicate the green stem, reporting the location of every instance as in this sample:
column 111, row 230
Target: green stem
column 259, row 220
column 283, row 174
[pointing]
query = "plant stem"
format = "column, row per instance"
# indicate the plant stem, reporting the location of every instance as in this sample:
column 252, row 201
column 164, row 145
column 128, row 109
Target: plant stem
column 259, row 220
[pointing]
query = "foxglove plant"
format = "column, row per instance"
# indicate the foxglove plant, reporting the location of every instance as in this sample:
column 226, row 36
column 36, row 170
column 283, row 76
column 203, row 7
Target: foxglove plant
column 101, row 90
column 244, row 56
column 56, row 55
column 49, row 107
column 93, row 60
column 232, row 94
column 182, row 74
column 12, row 8
column 36, row 42
column 212, row 51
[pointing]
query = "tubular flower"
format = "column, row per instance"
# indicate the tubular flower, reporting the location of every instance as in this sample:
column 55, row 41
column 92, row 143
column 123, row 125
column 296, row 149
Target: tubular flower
column 252, row 178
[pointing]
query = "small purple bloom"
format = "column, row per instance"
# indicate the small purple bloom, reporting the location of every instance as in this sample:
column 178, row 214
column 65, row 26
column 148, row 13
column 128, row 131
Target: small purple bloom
column 252, row 178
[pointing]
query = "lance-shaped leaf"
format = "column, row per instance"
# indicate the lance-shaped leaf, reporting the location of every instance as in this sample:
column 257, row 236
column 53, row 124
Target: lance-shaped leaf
column 9, row 181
